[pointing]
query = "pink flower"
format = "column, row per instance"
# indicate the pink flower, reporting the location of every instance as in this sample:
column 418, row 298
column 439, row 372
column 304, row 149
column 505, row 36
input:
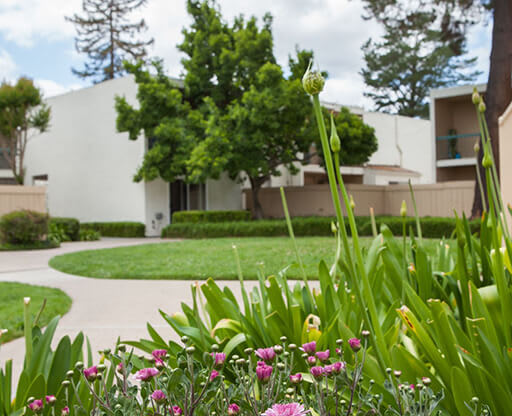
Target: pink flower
column 412, row 386
column 213, row 375
column 146, row 374
column 219, row 358
column 355, row 344
column 309, row 347
column 175, row 410
column 295, row 378
column 233, row 409
column 91, row 373
column 264, row 372
column 120, row 368
column 323, row 355
column 317, row 372
column 289, row 409
column 158, row 396
column 266, row 354
column 337, row 367
column 329, row 369
column 64, row 411
column 338, row 351
column 50, row 400
column 36, row 406
column 311, row 360
column 158, row 355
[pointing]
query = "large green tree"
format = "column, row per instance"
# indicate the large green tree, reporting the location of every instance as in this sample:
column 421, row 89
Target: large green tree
column 107, row 37
column 451, row 19
column 22, row 112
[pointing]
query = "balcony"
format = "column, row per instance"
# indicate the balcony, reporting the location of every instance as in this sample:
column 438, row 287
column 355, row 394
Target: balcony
column 456, row 150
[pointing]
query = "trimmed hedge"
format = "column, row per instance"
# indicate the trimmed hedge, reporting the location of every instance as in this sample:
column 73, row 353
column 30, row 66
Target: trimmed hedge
column 116, row 229
column 196, row 217
column 308, row 226
column 70, row 227
column 23, row 227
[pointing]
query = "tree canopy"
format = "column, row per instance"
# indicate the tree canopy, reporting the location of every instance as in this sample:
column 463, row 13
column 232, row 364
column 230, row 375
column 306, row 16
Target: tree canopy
column 107, row 37
column 22, row 111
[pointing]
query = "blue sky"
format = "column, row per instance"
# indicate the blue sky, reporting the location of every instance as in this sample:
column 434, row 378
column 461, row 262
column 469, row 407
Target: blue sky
column 36, row 41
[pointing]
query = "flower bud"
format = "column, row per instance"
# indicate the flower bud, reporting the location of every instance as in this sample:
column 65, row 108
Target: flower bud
column 185, row 339
column 70, row 374
column 278, row 349
column 476, row 147
column 397, row 373
column 280, row 366
column 292, row 347
column 26, row 301
column 79, row 365
column 66, row 383
column 352, row 203
column 283, row 339
column 335, row 139
column 486, row 161
column 122, row 348
column 215, row 347
column 248, row 351
column 475, row 97
column 426, row 381
column 365, row 333
column 190, row 350
column 403, row 209
column 339, row 341
column 334, row 229
column 313, row 81
column 482, row 107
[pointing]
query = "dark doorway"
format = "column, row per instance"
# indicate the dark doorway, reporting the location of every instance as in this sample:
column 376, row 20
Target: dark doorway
column 178, row 196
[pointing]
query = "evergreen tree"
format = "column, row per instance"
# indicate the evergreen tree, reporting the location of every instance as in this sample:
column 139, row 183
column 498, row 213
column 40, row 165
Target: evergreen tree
column 413, row 57
column 108, row 37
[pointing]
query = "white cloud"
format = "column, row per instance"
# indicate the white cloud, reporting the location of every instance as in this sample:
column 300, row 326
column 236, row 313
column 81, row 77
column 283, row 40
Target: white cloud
column 51, row 88
column 7, row 66
column 333, row 29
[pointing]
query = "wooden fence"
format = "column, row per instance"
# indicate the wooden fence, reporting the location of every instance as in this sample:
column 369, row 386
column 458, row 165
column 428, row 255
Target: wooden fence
column 14, row 197
column 436, row 200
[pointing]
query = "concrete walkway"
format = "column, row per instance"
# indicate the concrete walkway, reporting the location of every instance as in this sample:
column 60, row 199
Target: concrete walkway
column 103, row 309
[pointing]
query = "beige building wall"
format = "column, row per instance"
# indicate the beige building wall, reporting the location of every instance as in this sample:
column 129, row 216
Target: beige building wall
column 436, row 200
column 505, row 122
column 13, row 198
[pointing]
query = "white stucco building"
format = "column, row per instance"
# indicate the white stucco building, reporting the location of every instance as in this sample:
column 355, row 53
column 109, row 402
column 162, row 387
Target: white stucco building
column 88, row 167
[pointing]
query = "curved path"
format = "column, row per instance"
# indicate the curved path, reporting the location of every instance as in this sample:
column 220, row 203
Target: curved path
column 103, row 309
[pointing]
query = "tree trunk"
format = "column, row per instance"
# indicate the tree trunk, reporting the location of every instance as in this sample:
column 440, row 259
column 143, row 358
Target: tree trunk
column 257, row 209
column 499, row 86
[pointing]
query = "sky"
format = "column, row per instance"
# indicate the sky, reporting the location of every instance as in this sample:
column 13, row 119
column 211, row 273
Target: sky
column 36, row 41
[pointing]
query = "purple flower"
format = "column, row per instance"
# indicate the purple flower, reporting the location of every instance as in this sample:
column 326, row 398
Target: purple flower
column 219, row 358
column 213, row 375
column 51, row 400
column 311, row 360
column 295, row 378
column 317, row 372
column 36, row 406
column 175, row 410
column 158, row 396
column 64, row 411
column 309, row 347
column 158, row 355
column 91, row 373
column 323, row 355
column 146, row 374
column 338, row 351
column 264, row 372
column 233, row 409
column 355, row 344
column 289, row 409
column 266, row 354
column 120, row 368
column 337, row 367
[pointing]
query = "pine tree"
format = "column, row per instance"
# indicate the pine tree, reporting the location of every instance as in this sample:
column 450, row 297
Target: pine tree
column 108, row 37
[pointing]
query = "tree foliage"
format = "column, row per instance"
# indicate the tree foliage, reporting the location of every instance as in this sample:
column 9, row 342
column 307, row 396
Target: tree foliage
column 107, row 37
column 22, row 112
column 422, row 48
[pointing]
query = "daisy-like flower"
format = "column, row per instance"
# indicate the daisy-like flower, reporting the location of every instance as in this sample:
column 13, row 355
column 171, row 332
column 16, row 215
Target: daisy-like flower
column 64, row 411
column 158, row 396
column 322, row 355
column 36, row 406
column 91, row 373
column 266, row 354
column 317, row 372
column 146, row 374
column 51, row 400
column 219, row 358
column 175, row 410
column 159, row 355
column 233, row 409
column 309, row 347
column 288, row 409
column 355, row 344
column 263, row 372
column 295, row 378
column 213, row 375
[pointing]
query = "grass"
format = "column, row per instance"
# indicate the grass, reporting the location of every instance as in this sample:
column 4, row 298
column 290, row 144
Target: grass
column 11, row 306
column 200, row 259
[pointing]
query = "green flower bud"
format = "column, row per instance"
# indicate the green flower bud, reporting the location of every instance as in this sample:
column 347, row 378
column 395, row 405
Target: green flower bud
column 352, row 203
column 190, row 350
column 403, row 209
column 476, row 97
column 334, row 229
column 283, row 339
column 481, row 107
column 335, row 139
column 476, row 147
column 486, row 161
column 313, row 81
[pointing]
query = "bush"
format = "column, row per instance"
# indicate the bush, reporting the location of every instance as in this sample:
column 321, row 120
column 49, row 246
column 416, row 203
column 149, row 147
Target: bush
column 70, row 227
column 116, row 229
column 23, row 227
column 56, row 233
column 209, row 216
column 89, row 235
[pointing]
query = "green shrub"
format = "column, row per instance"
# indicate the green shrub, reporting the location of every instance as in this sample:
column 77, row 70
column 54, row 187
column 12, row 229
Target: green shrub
column 23, row 227
column 89, row 235
column 56, row 233
column 38, row 245
column 209, row 216
column 116, row 229
column 70, row 226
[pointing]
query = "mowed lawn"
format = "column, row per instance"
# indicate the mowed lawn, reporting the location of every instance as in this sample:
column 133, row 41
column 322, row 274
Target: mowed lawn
column 201, row 259
column 12, row 307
